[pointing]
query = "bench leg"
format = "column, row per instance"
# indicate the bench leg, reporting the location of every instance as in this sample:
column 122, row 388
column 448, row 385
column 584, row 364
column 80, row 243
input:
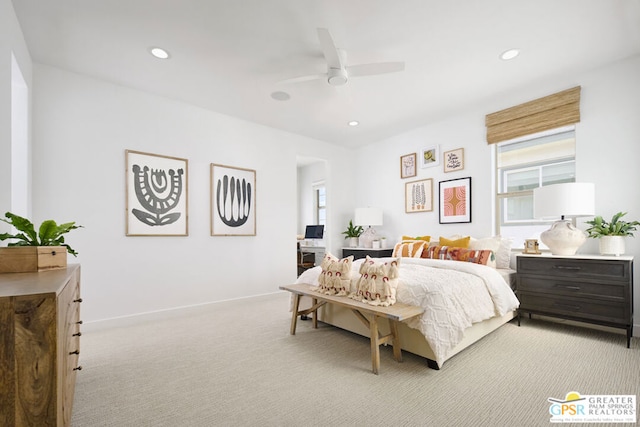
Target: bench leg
column 294, row 314
column 397, row 349
column 315, row 313
column 375, row 344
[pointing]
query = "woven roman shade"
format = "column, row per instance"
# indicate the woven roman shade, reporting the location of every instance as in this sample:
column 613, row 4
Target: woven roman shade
column 550, row 112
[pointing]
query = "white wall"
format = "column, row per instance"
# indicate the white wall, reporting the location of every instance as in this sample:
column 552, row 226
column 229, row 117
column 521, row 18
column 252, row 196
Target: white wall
column 607, row 154
column 82, row 128
column 11, row 44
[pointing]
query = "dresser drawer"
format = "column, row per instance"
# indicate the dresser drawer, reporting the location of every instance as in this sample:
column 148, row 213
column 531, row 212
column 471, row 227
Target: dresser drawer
column 568, row 287
column 577, row 308
column 575, row 268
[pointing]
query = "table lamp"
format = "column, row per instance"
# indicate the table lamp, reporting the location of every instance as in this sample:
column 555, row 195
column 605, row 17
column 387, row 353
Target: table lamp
column 368, row 217
column 567, row 200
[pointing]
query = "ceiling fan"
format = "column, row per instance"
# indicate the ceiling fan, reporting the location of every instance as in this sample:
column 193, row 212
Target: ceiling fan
column 338, row 72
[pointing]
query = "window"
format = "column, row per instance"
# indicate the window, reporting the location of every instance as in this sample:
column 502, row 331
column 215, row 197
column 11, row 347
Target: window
column 522, row 165
column 320, row 202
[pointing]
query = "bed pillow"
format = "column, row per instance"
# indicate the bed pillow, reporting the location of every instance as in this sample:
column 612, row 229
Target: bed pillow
column 425, row 238
column 409, row 248
column 335, row 278
column 458, row 243
column 484, row 257
column 499, row 245
column 378, row 282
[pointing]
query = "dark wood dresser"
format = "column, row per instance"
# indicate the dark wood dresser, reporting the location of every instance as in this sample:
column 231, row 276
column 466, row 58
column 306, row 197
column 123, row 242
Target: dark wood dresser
column 587, row 288
column 363, row 252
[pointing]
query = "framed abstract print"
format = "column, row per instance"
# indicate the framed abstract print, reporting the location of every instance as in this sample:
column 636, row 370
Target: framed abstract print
column 233, row 201
column 455, row 201
column 156, row 195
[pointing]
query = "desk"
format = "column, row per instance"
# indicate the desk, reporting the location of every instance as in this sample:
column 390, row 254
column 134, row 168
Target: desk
column 368, row 314
column 318, row 251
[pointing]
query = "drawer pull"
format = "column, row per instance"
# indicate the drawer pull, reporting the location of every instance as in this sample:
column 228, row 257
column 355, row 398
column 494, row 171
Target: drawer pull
column 565, row 267
column 79, row 368
column 573, row 288
column 77, row 300
column 567, row 306
column 74, row 352
column 79, row 334
column 79, row 322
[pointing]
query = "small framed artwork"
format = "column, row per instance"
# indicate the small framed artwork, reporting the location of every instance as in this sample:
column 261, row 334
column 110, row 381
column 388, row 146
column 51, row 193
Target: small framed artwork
column 408, row 165
column 418, row 196
column 156, row 195
column 531, row 246
column 454, row 160
column 455, row 201
column 430, row 156
column 233, row 201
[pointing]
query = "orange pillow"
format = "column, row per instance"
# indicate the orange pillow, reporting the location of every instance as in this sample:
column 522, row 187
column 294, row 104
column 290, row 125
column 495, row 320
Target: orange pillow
column 409, row 249
column 458, row 243
column 424, row 238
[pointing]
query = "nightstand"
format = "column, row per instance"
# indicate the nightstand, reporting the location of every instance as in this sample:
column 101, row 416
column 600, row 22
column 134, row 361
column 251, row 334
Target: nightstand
column 363, row 252
column 586, row 288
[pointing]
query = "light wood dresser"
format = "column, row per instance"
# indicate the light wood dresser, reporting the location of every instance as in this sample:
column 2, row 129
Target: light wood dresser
column 39, row 346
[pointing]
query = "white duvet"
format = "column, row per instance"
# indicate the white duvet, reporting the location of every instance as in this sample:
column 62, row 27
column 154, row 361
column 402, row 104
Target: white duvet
column 454, row 294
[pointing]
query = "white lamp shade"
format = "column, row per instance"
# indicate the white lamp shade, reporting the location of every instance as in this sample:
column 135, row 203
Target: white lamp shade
column 572, row 199
column 368, row 216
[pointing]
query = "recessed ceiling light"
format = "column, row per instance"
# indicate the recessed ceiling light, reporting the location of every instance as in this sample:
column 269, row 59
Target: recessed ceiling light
column 509, row 54
column 353, row 123
column 280, row 96
column 159, row 53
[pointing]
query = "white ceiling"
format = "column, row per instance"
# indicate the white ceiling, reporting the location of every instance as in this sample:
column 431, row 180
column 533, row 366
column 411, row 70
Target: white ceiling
column 228, row 55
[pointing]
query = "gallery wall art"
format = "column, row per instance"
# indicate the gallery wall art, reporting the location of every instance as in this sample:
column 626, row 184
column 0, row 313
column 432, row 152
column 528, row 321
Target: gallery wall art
column 408, row 165
column 430, row 156
column 233, row 201
column 156, row 195
column 418, row 196
column 454, row 160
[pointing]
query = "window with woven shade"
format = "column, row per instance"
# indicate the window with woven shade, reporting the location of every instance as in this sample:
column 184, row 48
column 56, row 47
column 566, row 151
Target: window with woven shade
column 534, row 145
column 551, row 112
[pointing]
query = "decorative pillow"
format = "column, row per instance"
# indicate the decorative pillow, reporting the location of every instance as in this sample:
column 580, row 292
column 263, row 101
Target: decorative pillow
column 425, row 238
column 499, row 245
column 409, row 248
column 484, row 257
column 335, row 278
column 378, row 282
column 458, row 243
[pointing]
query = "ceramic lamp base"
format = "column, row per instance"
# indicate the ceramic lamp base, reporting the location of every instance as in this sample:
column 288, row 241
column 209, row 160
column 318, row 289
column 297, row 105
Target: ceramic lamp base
column 563, row 238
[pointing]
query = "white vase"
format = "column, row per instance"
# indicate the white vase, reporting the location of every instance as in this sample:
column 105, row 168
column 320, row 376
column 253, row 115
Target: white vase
column 352, row 242
column 612, row 245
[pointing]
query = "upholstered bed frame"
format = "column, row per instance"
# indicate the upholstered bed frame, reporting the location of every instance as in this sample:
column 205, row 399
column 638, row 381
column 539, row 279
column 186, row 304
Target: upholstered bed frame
column 411, row 339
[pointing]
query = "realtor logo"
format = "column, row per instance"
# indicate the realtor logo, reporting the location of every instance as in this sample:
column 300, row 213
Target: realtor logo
column 575, row 408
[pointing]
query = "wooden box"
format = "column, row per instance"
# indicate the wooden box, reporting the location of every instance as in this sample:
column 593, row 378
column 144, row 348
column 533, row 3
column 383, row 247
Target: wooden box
column 22, row 259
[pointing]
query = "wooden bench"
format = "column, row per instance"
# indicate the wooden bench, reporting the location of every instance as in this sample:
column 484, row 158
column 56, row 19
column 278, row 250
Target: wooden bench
column 368, row 314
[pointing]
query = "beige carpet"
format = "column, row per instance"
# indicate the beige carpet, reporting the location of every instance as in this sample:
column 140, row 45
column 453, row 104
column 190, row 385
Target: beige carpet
column 235, row 364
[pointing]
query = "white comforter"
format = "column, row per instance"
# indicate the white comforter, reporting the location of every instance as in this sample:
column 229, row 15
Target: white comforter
column 454, row 294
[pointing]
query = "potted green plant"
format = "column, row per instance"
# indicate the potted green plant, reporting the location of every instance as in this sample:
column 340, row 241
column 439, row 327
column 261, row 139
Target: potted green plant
column 611, row 233
column 34, row 251
column 352, row 233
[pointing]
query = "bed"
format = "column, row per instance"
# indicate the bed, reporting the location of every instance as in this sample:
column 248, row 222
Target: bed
column 463, row 302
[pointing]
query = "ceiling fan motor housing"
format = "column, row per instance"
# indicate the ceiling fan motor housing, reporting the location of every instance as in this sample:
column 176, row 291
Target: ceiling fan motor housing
column 337, row 76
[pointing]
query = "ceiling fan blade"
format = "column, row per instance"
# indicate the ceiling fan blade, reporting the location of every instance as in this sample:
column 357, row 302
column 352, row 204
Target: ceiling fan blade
column 329, row 49
column 375, row 68
column 303, row 79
